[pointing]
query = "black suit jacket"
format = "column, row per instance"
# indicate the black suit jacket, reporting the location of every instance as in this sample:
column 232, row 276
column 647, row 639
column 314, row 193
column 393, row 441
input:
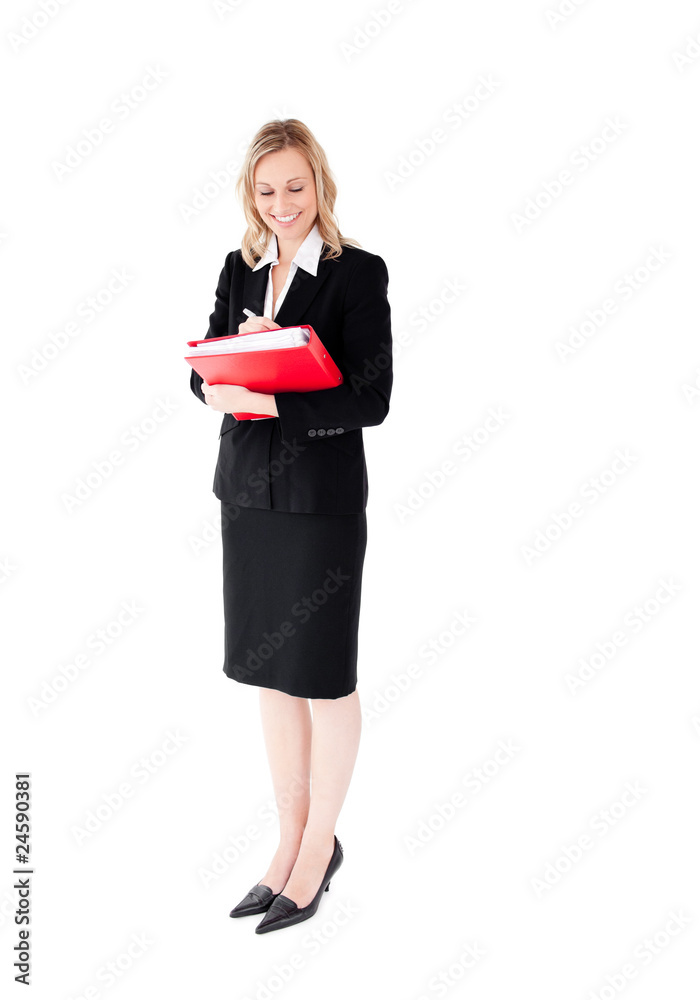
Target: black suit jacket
column 309, row 459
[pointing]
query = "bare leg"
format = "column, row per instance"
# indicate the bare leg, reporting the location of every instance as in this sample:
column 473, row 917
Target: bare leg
column 287, row 730
column 337, row 724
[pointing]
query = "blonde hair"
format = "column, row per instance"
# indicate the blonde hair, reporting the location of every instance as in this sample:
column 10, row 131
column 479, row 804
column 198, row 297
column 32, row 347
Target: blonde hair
column 288, row 133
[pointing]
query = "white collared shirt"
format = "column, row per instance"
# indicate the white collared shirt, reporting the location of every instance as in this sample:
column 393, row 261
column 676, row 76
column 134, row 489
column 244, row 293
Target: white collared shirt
column 306, row 257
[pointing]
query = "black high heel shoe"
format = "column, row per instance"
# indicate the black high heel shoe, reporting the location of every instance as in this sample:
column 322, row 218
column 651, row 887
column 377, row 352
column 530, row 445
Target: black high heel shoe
column 284, row 911
column 259, row 899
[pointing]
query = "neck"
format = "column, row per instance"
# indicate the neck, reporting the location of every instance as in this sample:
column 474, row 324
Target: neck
column 287, row 248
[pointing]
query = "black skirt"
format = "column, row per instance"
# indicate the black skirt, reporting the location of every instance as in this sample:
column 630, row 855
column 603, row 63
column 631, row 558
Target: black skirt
column 292, row 588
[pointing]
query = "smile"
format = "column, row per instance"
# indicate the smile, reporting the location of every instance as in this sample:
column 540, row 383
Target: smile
column 286, row 218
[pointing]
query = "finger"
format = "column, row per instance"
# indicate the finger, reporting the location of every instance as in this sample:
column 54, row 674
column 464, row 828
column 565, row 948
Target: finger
column 252, row 326
column 259, row 323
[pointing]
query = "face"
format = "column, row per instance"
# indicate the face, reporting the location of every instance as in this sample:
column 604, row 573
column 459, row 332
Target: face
column 285, row 194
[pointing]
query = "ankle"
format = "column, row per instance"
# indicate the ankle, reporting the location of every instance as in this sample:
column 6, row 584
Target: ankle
column 318, row 841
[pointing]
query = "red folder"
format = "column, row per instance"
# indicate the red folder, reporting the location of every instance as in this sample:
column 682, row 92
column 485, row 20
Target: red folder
column 284, row 369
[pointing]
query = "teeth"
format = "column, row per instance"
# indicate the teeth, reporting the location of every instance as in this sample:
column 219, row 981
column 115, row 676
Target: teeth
column 286, row 218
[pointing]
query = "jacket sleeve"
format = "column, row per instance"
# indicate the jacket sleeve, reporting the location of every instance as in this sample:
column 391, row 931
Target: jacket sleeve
column 362, row 400
column 218, row 321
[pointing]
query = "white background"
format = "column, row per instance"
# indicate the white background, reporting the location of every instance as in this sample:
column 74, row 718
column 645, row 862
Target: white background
column 154, row 200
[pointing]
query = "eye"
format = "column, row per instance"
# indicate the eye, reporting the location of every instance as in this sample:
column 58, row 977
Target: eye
column 294, row 190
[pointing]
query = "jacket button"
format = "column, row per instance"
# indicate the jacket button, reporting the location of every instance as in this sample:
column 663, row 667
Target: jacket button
column 339, row 430
column 331, row 430
column 320, row 432
column 312, row 433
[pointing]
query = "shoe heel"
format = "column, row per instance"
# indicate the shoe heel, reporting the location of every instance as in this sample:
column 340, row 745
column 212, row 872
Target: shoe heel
column 328, row 887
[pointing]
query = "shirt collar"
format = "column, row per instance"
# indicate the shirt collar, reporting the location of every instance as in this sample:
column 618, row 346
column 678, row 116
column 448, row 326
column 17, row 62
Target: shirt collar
column 306, row 257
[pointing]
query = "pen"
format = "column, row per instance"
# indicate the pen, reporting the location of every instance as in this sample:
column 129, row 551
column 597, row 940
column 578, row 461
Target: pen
column 249, row 312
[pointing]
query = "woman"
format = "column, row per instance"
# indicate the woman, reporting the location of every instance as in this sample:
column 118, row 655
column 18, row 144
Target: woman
column 293, row 489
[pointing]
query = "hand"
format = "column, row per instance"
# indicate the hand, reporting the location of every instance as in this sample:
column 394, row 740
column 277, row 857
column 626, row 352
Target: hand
column 227, row 398
column 254, row 324
column 238, row 399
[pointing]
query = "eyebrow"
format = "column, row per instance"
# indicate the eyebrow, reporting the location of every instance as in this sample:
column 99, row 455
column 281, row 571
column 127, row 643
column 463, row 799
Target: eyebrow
column 267, row 183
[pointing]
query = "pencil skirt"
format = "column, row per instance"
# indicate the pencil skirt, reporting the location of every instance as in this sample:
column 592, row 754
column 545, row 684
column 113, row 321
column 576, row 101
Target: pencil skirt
column 292, row 588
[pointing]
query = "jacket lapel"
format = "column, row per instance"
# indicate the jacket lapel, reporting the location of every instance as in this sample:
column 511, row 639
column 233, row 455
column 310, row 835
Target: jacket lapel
column 300, row 294
column 254, row 286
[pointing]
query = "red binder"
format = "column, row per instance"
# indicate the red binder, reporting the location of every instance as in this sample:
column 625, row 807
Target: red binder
column 285, row 369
